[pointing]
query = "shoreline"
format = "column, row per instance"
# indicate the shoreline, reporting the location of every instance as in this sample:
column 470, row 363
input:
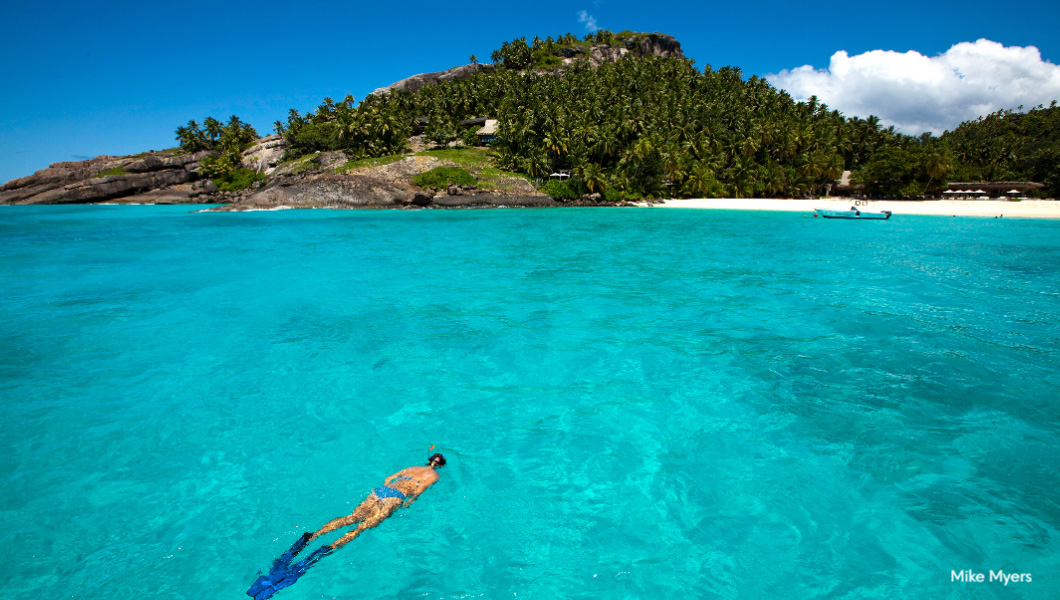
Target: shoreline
column 1024, row 209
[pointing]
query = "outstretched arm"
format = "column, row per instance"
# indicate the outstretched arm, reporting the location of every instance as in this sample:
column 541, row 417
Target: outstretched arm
column 408, row 501
column 399, row 475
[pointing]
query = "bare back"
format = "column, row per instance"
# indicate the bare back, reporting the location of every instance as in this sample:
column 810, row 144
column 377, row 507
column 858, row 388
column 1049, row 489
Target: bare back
column 412, row 481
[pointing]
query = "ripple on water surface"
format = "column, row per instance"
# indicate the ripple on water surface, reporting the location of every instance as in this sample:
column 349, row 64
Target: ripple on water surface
column 634, row 403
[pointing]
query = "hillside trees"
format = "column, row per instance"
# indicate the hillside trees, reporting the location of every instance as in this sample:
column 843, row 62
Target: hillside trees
column 372, row 129
column 1009, row 146
column 648, row 126
column 916, row 167
column 225, row 141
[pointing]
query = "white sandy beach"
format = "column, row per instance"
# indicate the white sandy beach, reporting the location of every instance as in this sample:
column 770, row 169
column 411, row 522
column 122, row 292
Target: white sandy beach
column 1035, row 209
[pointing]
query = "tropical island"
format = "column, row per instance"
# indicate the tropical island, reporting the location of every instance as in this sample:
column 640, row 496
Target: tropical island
column 606, row 119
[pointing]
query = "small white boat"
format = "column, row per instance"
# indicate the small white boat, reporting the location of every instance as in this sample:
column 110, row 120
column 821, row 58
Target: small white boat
column 853, row 213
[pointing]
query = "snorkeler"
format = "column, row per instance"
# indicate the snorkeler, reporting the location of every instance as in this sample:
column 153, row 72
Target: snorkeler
column 398, row 490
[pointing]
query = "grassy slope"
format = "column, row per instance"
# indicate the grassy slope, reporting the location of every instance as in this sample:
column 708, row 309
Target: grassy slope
column 478, row 161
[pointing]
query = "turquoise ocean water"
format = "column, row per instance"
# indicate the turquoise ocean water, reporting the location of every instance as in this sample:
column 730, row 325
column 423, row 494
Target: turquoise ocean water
column 634, row 403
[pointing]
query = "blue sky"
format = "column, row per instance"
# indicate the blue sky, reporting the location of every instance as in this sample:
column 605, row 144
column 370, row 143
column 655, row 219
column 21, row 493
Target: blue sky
column 83, row 79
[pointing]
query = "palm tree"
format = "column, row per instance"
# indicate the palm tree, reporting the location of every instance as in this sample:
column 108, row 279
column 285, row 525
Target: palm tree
column 191, row 137
column 555, row 143
column 643, row 148
column 700, row 181
column 537, row 165
column 833, row 167
column 742, row 176
column 593, row 177
column 213, row 129
column 675, row 174
column 185, row 138
column 773, row 179
column 937, row 165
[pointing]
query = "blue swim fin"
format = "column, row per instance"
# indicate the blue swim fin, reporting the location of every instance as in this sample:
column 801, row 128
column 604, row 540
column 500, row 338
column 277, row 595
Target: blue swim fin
column 280, row 568
column 313, row 558
column 266, row 582
column 286, row 557
column 283, row 576
column 276, row 582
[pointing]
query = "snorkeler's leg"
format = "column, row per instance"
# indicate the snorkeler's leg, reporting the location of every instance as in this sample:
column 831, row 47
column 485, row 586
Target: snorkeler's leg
column 350, row 536
column 384, row 510
column 362, row 512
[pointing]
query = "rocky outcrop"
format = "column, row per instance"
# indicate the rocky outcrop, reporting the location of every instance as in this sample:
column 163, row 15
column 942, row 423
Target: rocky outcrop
column 59, row 173
column 264, row 155
column 378, row 186
column 416, row 82
column 158, row 163
column 335, row 191
column 159, row 178
column 100, row 189
column 656, row 44
column 81, row 182
column 163, row 178
column 652, row 44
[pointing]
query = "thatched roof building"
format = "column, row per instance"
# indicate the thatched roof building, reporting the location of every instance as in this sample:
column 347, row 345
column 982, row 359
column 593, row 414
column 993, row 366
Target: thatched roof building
column 488, row 132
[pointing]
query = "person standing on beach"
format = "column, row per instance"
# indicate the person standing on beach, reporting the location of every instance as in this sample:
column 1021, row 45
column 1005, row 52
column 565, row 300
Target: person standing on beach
column 399, row 490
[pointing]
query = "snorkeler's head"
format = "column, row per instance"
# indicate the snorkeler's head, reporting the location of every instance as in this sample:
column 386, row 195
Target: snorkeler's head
column 436, row 460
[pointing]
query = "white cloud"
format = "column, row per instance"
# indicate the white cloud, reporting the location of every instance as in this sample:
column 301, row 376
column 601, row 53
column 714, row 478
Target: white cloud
column 589, row 20
column 918, row 93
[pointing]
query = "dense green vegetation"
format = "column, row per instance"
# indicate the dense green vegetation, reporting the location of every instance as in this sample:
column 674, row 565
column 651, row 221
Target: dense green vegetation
column 641, row 127
column 907, row 169
column 560, row 190
column 440, row 178
column 653, row 127
column 366, row 131
column 225, row 142
column 237, row 179
column 1009, row 146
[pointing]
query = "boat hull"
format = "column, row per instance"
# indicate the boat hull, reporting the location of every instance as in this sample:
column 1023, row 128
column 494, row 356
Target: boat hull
column 854, row 214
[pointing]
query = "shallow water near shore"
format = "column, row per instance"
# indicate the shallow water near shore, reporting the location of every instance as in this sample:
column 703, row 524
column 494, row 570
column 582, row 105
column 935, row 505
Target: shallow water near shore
column 634, row 403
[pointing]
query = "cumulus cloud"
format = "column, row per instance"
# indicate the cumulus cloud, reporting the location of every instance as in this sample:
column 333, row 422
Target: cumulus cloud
column 589, row 20
column 918, row 93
